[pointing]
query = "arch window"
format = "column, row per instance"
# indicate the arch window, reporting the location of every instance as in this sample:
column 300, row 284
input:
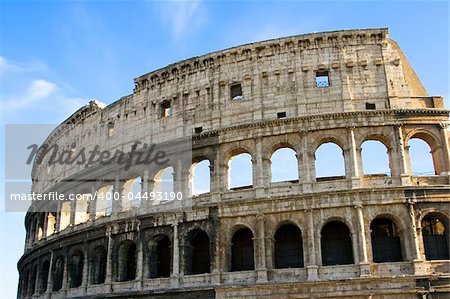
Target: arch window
column 43, row 277
column 127, row 261
column 200, row 177
column 81, row 208
column 288, row 247
column 329, row 161
column 160, row 257
column 242, row 252
column 131, row 194
column 58, row 273
column 33, row 276
column 420, row 157
column 240, row 171
column 385, row 241
column 65, row 215
column 164, row 180
column 104, row 201
column 435, row 238
column 336, row 244
column 197, row 253
column 76, row 269
column 50, row 224
column 98, row 265
column 284, row 165
column 375, row 158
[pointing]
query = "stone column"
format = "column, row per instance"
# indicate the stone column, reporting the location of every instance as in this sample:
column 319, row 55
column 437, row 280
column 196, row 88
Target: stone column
column 92, row 203
column 145, row 193
column 258, row 169
column 84, row 283
column 117, row 196
column 312, row 262
column 73, row 206
column 404, row 176
column 109, row 270
column 364, row 264
column 174, row 279
column 58, row 217
column 307, row 175
column 50, row 276
column 419, row 268
column 44, row 225
column 353, row 159
column 140, row 264
column 446, row 149
column 261, row 267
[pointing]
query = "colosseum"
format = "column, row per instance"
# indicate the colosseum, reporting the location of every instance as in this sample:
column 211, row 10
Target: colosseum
column 348, row 235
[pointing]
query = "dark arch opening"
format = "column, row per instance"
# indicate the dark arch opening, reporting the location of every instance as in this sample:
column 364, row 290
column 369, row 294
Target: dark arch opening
column 127, row 261
column 197, row 253
column 33, row 280
column 242, row 253
column 288, row 247
column 160, row 257
column 98, row 265
column 435, row 238
column 76, row 269
column 336, row 244
column 43, row 277
column 58, row 273
column 385, row 241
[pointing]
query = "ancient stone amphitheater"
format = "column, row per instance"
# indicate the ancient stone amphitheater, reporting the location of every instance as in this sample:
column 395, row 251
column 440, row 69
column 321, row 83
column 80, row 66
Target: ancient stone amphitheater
column 355, row 234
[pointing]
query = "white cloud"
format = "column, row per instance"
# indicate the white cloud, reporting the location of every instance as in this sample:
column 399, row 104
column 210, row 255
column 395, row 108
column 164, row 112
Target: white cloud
column 183, row 16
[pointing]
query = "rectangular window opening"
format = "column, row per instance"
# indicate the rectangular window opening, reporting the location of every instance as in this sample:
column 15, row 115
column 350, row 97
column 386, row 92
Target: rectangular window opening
column 370, row 106
column 236, row 92
column 322, row 79
column 166, row 109
column 110, row 129
column 281, row 114
column 198, row 130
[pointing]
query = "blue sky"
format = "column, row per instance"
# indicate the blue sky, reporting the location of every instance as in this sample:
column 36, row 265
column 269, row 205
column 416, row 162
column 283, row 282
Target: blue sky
column 56, row 56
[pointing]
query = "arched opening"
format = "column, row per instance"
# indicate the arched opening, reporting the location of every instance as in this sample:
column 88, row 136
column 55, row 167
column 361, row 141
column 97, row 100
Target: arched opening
column 81, row 208
column 103, row 201
column 242, row 252
column 51, row 220
column 435, row 237
column 43, row 276
column 200, row 177
column 375, row 158
column 65, row 215
column 240, row 172
column 288, row 247
column 197, row 253
column 127, row 261
column 336, row 244
column 131, row 194
column 58, row 274
column 24, row 283
column 164, row 181
column 76, row 269
column 98, row 265
column 33, row 276
column 420, row 157
column 159, row 257
column 284, row 165
column 329, row 162
column 385, row 241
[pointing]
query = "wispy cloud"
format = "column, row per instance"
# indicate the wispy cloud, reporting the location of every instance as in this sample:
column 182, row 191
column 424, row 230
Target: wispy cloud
column 26, row 96
column 182, row 16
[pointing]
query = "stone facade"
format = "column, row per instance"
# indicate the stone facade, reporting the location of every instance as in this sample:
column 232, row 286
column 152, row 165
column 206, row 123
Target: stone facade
column 343, row 87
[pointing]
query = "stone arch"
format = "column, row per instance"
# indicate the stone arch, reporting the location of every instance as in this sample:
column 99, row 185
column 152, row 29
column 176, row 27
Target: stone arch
column 245, row 168
column 336, row 243
column 104, row 200
column 98, row 261
column 75, row 269
column 242, row 249
column 33, row 276
column 200, row 176
column 435, row 235
column 58, row 273
column 386, row 240
column 197, row 252
column 288, row 249
column 164, row 180
column 386, row 166
column 43, row 276
column 126, row 261
column 132, row 189
column 285, row 162
column 339, row 161
column 435, row 149
column 160, row 256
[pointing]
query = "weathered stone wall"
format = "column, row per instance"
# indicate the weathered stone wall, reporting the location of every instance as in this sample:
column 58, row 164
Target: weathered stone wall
column 373, row 94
